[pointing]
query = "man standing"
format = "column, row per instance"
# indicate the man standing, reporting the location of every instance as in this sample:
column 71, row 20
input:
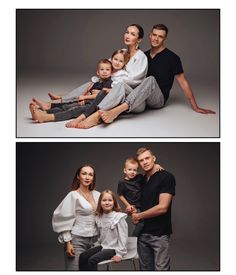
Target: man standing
column 163, row 67
column 157, row 193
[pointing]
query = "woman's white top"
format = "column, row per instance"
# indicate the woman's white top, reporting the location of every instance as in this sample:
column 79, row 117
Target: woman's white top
column 113, row 232
column 137, row 68
column 75, row 215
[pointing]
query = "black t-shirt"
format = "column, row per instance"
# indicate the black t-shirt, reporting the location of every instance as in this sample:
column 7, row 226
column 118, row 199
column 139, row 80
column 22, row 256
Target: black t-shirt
column 164, row 66
column 106, row 83
column 131, row 190
column 160, row 182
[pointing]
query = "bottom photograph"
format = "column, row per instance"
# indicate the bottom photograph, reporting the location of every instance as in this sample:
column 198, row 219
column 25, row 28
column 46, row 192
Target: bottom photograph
column 118, row 206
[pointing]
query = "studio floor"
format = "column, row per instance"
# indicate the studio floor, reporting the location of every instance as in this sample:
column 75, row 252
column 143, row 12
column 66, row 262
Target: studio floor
column 176, row 119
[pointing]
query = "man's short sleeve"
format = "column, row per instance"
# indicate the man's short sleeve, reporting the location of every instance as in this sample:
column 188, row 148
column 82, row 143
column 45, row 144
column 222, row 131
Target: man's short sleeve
column 168, row 185
column 177, row 65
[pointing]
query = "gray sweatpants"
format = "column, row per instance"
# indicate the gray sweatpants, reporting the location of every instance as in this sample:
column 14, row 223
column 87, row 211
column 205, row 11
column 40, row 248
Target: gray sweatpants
column 153, row 252
column 80, row 245
column 147, row 94
column 75, row 93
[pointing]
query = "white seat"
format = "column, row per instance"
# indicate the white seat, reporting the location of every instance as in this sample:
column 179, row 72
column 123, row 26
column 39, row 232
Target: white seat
column 132, row 253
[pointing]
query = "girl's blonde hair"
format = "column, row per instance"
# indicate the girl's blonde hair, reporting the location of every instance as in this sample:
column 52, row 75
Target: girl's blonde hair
column 124, row 53
column 116, row 206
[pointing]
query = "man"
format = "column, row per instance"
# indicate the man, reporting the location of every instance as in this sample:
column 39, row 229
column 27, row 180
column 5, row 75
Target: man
column 157, row 193
column 163, row 67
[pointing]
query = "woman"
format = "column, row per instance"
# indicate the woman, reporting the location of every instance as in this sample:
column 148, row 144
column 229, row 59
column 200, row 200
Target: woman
column 74, row 218
column 136, row 68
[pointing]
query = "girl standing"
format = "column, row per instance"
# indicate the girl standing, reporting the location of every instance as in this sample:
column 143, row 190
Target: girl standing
column 113, row 234
column 74, row 218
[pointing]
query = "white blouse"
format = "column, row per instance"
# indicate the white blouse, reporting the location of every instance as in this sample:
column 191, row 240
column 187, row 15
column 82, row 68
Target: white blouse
column 75, row 215
column 137, row 68
column 113, row 232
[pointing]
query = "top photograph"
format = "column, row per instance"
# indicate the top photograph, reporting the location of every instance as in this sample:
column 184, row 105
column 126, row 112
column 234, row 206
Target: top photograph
column 118, row 73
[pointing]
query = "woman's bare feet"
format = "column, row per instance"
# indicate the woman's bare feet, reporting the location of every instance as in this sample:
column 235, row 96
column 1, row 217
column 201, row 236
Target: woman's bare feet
column 54, row 96
column 73, row 123
column 90, row 121
column 42, row 104
column 41, row 116
column 108, row 116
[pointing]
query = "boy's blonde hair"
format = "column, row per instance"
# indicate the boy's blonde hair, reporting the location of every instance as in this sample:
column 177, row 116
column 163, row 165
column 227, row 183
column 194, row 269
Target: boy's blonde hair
column 104, row 61
column 131, row 160
column 116, row 206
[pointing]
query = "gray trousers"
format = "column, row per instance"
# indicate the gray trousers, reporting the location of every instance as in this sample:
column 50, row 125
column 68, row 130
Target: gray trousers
column 147, row 94
column 75, row 93
column 153, row 252
column 80, row 245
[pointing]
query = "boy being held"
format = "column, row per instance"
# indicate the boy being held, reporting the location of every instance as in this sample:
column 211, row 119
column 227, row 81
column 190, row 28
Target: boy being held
column 129, row 190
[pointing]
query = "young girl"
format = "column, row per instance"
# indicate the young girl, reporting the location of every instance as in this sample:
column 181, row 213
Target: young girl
column 118, row 59
column 74, row 218
column 113, row 233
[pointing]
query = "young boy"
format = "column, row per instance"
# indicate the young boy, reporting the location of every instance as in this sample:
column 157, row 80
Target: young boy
column 65, row 111
column 129, row 190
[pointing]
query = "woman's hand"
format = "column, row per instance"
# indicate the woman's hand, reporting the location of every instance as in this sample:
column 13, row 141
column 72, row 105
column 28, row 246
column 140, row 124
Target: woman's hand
column 70, row 250
column 116, row 259
column 159, row 167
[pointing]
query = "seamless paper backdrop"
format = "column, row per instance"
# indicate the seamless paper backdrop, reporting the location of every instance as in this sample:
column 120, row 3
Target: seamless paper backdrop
column 45, row 172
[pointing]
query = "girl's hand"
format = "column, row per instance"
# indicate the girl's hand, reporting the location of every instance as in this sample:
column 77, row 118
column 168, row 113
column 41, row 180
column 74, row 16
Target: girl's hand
column 116, row 259
column 70, row 250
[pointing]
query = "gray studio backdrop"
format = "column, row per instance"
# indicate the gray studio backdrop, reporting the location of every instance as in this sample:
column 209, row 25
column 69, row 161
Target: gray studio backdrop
column 45, row 171
column 72, row 41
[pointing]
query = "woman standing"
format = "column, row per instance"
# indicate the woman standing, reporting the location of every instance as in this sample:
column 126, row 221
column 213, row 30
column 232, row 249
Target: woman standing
column 74, row 218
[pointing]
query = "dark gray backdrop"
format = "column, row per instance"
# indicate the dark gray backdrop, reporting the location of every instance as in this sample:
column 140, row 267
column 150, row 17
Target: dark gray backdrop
column 74, row 40
column 45, row 171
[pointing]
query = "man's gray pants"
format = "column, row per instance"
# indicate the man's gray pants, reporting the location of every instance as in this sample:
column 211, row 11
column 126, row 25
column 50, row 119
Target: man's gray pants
column 153, row 252
column 147, row 94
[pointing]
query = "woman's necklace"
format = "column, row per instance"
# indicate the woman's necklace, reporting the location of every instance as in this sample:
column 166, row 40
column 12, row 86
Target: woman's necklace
column 85, row 195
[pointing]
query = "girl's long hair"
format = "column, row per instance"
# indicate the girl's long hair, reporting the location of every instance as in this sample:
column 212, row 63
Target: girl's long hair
column 116, row 206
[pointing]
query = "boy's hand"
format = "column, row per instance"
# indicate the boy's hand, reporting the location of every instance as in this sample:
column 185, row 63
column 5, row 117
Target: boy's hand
column 130, row 209
column 116, row 259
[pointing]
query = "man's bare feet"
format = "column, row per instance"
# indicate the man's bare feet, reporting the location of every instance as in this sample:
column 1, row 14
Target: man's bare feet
column 90, row 121
column 43, row 105
column 41, row 116
column 108, row 116
column 54, row 96
column 73, row 123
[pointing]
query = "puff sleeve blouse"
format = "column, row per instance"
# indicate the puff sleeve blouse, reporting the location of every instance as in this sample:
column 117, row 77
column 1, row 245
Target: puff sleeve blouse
column 75, row 215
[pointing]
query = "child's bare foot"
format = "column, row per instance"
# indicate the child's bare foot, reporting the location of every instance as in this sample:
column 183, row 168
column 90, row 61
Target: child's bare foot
column 73, row 123
column 32, row 107
column 108, row 116
column 43, row 105
column 41, row 116
column 54, row 96
column 90, row 121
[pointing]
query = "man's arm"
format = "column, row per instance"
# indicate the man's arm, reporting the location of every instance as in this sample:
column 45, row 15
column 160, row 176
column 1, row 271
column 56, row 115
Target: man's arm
column 157, row 210
column 190, row 96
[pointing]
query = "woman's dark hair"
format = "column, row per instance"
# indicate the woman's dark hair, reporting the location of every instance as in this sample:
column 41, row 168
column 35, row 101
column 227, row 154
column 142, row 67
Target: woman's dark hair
column 140, row 30
column 75, row 184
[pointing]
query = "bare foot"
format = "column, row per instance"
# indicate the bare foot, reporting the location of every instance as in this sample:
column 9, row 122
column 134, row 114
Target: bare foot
column 54, row 96
column 41, row 116
column 90, row 121
column 32, row 107
column 73, row 123
column 43, row 105
column 108, row 116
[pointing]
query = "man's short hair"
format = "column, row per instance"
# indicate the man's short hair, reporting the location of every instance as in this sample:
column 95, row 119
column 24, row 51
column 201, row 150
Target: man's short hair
column 161, row 27
column 142, row 150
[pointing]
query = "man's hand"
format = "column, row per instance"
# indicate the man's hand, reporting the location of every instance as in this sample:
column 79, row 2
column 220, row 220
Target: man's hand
column 135, row 218
column 204, row 111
